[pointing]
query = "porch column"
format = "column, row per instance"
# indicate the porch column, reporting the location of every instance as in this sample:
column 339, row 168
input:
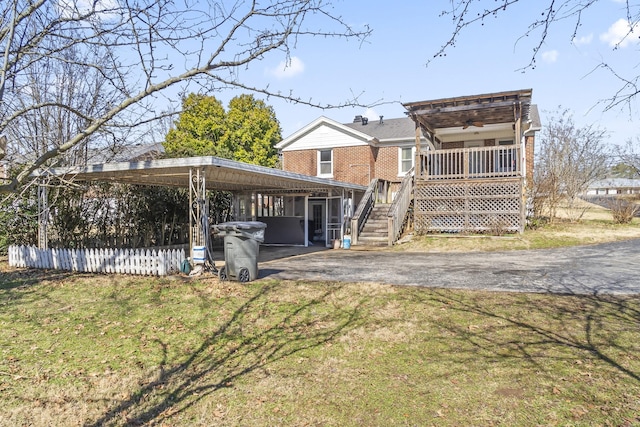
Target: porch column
column 417, row 164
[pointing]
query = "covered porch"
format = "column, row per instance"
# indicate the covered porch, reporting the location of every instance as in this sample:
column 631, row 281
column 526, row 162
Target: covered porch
column 473, row 172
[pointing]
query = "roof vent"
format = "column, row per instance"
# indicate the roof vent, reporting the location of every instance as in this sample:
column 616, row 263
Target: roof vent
column 365, row 120
column 381, row 122
column 357, row 119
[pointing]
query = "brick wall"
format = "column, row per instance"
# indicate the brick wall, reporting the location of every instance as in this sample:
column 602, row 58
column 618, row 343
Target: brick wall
column 354, row 164
column 302, row 161
column 357, row 165
column 529, row 157
column 387, row 164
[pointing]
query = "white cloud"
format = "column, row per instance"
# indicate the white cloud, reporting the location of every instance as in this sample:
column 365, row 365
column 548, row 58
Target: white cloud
column 285, row 69
column 583, row 40
column 371, row 114
column 618, row 34
column 550, row 56
column 105, row 9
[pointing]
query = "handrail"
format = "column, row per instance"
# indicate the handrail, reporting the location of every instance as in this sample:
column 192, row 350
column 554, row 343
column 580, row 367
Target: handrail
column 476, row 162
column 399, row 207
column 364, row 209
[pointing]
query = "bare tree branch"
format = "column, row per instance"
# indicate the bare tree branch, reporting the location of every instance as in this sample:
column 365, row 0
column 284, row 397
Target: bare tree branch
column 125, row 54
column 466, row 14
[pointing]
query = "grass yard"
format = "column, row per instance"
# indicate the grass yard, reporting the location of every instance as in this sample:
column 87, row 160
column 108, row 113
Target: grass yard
column 558, row 234
column 115, row 350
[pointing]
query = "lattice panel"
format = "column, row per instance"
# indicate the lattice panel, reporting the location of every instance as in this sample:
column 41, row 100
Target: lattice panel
column 495, row 205
column 440, row 189
column 441, row 205
column 499, row 188
column 468, row 206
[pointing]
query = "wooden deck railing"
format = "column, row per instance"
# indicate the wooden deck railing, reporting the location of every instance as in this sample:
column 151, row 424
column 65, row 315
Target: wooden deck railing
column 399, row 207
column 469, row 163
column 364, row 209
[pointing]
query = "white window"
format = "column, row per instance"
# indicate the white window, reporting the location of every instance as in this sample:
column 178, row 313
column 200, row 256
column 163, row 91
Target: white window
column 406, row 158
column 325, row 163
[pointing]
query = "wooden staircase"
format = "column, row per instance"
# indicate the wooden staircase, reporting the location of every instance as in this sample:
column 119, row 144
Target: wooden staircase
column 376, row 230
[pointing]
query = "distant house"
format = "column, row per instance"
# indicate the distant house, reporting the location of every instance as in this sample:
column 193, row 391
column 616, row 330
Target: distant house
column 612, row 186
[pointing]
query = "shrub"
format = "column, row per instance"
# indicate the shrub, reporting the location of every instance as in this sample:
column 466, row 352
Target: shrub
column 623, row 209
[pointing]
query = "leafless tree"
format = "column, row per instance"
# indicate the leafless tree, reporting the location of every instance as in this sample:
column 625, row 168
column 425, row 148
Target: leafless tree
column 545, row 17
column 629, row 155
column 132, row 52
column 567, row 161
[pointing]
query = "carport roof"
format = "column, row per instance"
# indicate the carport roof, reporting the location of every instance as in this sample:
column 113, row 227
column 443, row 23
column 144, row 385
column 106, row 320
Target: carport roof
column 220, row 174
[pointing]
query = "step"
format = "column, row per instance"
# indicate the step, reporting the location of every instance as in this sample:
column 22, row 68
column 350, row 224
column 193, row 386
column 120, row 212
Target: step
column 372, row 241
column 376, row 230
column 377, row 223
column 373, row 234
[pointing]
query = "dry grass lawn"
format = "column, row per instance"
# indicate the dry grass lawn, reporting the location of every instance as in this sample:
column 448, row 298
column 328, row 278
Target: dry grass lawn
column 596, row 227
column 97, row 350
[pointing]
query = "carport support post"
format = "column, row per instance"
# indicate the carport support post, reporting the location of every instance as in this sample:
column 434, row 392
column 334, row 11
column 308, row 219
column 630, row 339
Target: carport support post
column 197, row 209
column 43, row 217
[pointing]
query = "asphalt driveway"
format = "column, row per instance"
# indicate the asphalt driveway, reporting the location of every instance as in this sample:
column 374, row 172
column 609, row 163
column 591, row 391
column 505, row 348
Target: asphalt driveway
column 611, row 268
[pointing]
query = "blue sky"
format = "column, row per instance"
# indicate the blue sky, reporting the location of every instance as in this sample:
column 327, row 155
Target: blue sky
column 390, row 67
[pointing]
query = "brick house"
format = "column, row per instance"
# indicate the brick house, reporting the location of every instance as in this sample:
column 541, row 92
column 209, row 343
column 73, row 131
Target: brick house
column 465, row 164
column 354, row 152
column 375, row 153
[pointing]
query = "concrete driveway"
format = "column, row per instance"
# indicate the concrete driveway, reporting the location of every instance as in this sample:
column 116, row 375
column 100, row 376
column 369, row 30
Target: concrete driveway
column 612, row 268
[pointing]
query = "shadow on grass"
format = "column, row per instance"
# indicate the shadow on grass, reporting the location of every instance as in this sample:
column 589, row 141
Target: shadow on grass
column 21, row 278
column 537, row 329
column 236, row 348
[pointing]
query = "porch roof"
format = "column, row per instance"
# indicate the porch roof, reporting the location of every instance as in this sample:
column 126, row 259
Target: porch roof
column 475, row 110
column 220, row 174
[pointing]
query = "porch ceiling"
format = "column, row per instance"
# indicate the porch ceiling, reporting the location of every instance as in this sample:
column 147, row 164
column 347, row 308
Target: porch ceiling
column 220, row 174
column 465, row 111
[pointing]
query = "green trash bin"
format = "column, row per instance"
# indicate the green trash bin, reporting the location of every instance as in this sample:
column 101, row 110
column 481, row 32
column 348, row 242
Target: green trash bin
column 241, row 248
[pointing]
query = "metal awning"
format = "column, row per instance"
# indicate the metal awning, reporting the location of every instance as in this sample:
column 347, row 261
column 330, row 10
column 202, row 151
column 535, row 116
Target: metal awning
column 219, row 174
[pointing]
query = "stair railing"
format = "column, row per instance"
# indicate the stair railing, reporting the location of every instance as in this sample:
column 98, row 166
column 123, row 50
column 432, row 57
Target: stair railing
column 398, row 210
column 364, row 209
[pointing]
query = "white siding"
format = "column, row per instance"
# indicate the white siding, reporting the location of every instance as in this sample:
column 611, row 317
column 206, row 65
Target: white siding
column 324, row 137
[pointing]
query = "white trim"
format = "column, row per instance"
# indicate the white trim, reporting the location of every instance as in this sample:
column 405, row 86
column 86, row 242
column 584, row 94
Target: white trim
column 360, row 137
column 319, row 163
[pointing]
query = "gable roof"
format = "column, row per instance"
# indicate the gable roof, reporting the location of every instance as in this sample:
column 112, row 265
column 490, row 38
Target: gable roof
column 320, row 122
column 372, row 133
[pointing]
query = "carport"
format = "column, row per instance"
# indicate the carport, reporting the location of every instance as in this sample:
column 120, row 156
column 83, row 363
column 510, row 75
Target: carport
column 278, row 198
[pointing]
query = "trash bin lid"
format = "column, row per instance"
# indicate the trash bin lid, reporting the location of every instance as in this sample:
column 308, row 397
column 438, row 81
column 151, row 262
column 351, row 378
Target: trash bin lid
column 241, row 225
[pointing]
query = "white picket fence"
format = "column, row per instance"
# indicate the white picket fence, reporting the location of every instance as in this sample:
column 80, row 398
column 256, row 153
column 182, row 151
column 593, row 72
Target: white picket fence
column 144, row 262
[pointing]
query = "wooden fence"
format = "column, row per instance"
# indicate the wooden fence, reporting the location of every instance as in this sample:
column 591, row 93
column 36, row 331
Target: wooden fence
column 145, row 262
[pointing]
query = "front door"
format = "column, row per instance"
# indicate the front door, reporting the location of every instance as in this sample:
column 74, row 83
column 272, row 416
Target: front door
column 317, row 225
